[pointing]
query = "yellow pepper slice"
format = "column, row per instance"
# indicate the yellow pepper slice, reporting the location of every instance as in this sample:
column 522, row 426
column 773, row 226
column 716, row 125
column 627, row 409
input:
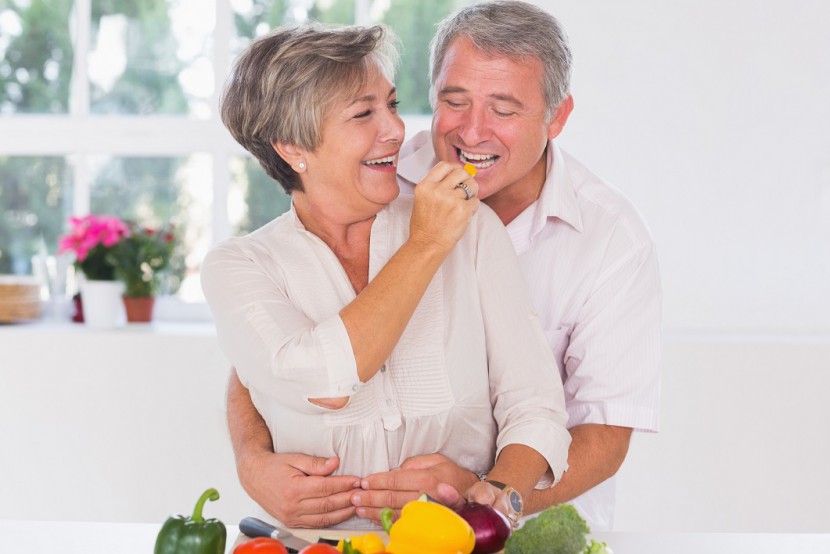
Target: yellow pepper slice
column 366, row 544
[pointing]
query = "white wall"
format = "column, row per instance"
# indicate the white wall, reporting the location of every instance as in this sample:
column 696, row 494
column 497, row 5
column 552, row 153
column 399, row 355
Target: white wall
column 125, row 425
column 743, row 444
column 714, row 117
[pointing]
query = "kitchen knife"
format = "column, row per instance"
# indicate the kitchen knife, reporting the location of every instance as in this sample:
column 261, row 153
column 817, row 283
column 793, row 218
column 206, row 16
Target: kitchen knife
column 254, row 527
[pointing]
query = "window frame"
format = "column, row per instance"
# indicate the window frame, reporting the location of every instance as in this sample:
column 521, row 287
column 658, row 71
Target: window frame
column 79, row 134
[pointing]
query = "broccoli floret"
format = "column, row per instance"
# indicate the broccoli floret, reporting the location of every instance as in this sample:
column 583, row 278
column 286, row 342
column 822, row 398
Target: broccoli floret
column 597, row 548
column 558, row 530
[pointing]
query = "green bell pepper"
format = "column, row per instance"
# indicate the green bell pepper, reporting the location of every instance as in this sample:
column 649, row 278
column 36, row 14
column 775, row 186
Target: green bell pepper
column 193, row 535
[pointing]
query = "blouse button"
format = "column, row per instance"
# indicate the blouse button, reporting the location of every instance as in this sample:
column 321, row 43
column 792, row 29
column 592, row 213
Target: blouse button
column 383, row 368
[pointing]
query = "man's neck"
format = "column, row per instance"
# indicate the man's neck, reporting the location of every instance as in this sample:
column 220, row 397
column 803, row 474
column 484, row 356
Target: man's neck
column 513, row 199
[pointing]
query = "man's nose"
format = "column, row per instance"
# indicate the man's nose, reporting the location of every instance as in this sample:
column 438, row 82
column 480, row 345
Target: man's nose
column 475, row 127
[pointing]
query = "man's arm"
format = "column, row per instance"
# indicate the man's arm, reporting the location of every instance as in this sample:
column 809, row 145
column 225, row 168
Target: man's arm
column 296, row 489
column 596, row 454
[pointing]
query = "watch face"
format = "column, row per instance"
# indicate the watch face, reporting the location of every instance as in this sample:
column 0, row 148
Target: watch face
column 515, row 501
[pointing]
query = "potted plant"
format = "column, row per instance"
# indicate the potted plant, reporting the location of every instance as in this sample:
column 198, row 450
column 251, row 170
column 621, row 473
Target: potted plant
column 92, row 239
column 139, row 261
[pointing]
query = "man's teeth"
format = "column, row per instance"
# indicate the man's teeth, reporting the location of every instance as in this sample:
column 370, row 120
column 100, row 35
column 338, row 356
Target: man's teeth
column 386, row 160
column 480, row 161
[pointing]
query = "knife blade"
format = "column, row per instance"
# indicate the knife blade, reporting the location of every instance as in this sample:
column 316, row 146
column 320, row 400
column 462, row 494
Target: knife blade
column 254, row 527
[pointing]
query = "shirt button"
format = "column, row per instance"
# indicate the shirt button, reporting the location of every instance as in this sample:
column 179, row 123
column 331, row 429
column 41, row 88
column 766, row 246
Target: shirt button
column 383, row 368
column 354, row 388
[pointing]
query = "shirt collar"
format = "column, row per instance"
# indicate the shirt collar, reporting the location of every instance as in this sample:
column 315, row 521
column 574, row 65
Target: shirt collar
column 558, row 198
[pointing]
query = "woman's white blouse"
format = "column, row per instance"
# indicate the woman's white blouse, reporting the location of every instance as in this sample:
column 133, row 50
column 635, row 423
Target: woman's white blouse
column 472, row 373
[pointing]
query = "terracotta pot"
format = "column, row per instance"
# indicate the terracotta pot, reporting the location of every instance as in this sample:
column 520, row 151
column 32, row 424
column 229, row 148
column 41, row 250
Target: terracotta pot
column 139, row 308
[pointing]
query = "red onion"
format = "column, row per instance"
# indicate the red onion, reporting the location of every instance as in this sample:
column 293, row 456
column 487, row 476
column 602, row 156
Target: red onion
column 491, row 528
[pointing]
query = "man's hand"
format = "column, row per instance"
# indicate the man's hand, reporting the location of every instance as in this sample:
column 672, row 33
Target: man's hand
column 299, row 490
column 433, row 474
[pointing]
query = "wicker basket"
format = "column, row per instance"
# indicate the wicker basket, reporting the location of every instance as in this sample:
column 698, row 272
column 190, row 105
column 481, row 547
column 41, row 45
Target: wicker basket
column 19, row 298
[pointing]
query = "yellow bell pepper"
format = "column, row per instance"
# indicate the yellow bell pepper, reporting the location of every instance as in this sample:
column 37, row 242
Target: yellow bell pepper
column 429, row 528
column 365, row 544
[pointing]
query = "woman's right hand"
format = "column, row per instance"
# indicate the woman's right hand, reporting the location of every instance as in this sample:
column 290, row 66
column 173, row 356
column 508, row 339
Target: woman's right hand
column 441, row 212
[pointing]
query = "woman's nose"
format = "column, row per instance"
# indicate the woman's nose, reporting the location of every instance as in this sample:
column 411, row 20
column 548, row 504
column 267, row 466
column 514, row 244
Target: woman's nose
column 393, row 128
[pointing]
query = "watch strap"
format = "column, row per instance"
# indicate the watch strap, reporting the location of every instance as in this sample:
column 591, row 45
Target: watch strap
column 498, row 484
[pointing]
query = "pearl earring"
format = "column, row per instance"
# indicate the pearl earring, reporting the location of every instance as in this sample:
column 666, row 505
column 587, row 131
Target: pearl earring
column 301, row 165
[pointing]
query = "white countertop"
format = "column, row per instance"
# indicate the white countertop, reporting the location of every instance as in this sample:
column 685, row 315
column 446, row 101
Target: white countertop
column 41, row 537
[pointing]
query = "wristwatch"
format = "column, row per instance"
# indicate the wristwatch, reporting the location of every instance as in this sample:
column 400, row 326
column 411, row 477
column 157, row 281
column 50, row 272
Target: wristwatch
column 510, row 501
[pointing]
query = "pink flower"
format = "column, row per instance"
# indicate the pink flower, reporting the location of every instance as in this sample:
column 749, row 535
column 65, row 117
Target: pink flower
column 89, row 231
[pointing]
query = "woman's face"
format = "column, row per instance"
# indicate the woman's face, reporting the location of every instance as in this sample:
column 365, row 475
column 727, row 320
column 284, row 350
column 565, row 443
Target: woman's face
column 352, row 172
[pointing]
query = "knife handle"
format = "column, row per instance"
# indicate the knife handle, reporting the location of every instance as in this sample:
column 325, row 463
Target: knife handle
column 254, row 527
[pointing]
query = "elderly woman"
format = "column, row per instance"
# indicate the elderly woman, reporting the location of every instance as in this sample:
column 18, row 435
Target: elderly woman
column 368, row 326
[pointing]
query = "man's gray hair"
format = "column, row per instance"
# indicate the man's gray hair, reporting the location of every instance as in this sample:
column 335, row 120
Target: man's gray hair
column 512, row 29
column 283, row 85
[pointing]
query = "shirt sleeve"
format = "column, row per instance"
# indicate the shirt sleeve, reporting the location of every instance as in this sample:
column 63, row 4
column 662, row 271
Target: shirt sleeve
column 274, row 346
column 612, row 361
column 525, row 385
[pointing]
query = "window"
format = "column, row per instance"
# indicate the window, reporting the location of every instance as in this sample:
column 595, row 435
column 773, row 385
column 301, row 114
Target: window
column 110, row 106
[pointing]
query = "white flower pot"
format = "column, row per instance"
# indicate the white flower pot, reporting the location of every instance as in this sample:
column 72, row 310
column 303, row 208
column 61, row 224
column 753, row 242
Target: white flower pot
column 103, row 307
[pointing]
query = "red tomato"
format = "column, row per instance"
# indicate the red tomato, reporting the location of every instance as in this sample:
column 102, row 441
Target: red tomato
column 261, row 545
column 319, row 548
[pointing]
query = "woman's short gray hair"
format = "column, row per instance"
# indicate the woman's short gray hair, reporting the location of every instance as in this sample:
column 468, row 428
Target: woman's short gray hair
column 282, row 86
column 513, row 29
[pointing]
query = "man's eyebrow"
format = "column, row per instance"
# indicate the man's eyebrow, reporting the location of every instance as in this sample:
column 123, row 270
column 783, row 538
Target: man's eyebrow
column 501, row 97
column 452, row 90
column 507, row 98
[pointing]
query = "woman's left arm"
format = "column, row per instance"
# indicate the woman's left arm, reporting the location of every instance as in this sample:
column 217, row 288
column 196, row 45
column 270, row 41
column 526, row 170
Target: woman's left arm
column 525, row 383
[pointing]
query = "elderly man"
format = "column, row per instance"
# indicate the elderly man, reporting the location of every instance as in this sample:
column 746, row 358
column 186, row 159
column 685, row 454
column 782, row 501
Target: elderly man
column 500, row 91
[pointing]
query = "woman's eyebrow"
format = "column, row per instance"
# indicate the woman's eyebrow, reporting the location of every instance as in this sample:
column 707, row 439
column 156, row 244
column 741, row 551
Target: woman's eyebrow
column 370, row 97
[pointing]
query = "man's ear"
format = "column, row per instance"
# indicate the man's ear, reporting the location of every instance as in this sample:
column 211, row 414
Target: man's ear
column 291, row 154
column 560, row 117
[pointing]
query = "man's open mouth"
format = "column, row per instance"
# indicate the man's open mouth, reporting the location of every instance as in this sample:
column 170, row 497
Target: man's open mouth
column 480, row 161
column 387, row 161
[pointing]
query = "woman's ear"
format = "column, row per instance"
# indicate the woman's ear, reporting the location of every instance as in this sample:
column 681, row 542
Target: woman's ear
column 291, row 154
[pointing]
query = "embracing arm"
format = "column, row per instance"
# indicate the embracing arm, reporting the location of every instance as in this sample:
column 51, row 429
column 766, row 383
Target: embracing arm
column 518, row 465
column 249, row 434
column 596, row 453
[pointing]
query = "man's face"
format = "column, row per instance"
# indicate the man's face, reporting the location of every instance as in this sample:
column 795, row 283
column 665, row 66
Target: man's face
column 491, row 112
